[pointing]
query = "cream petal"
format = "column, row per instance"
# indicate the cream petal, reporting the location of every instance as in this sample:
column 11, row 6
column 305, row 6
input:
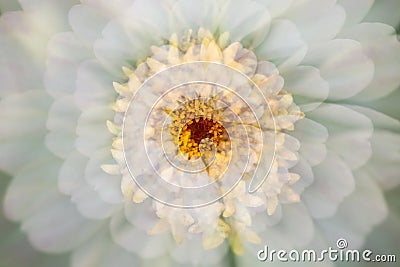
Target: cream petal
column 23, row 119
column 355, row 10
column 381, row 45
column 343, row 64
column 107, row 186
column 316, row 26
column 349, row 133
column 94, row 86
column 306, row 85
column 61, row 123
column 362, row 210
column 64, row 54
column 101, row 251
column 246, row 21
column 333, row 181
column 282, row 45
column 137, row 240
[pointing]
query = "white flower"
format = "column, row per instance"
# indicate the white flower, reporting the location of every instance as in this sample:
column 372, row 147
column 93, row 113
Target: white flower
column 136, row 131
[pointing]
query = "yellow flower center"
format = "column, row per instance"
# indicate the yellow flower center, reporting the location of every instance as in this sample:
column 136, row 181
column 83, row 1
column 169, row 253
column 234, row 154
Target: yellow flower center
column 196, row 129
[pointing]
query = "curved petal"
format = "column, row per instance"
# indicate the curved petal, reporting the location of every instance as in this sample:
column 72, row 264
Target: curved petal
column 23, row 128
column 379, row 43
column 64, row 54
column 87, row 22
column 307, row 86
column 101, row 251
column 94, row 86
column 107, row 186
column 317, row 20
column 192, row 15
column 312, row 137
column 343, row 65
column 283, row 45
column 137, row 240
column 349, row 133
column 333, row 181
column 362, row 210
column 246, row 21
column 61, row 122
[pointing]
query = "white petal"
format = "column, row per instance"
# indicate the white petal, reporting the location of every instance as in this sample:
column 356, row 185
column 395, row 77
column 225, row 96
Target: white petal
column 283, row 45
column 64, row 54
column 57, row 226
column 276, row 8
column 294, row 229
column 126, row 39
column 101, row 251
column 344, row 65
column 137, row 240
column 302, row 168
column 70, row 177
column 312, row 137
column 31, row 186
column 349, row 132
column 93, row 86
column 379, row 43
column 61, row 122
column 306, row 85
column 246, row 21
column 333, row 181
column 106, row 8
column 317, row 20
column 23, row 119
column 362, row 210
column 191, row 252
column 92, row 130
column 384, row 163
column 108, row 186
column 86, row 22
column 192, row 14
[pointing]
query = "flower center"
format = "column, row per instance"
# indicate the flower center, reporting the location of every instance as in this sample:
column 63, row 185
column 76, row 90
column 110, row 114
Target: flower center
column 198, row 135
column 196, row 130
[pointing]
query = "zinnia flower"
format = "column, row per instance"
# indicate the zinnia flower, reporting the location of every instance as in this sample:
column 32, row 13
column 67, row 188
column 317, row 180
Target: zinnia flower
column 193, row 133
